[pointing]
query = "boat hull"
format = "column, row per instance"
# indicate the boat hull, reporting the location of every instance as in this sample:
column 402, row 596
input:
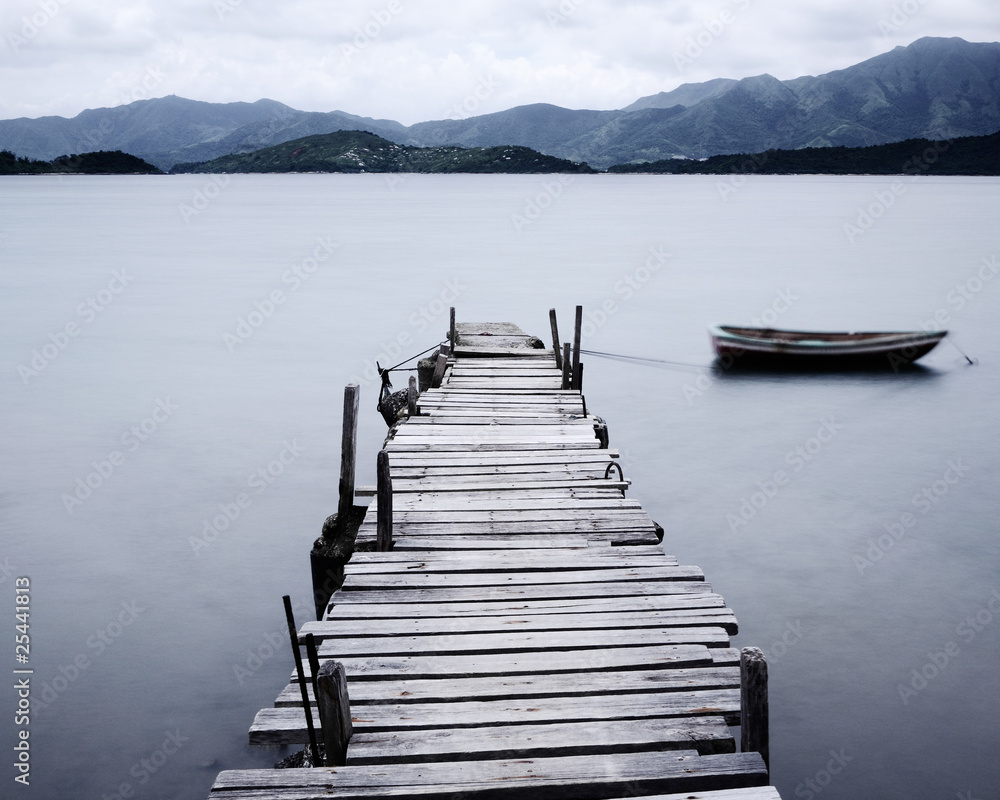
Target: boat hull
column 820, row 350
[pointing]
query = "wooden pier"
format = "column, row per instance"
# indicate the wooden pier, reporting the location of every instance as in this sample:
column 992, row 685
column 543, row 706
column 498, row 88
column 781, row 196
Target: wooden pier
column 525, row 636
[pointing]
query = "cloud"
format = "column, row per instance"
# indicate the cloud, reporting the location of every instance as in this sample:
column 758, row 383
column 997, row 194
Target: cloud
column 421, row 59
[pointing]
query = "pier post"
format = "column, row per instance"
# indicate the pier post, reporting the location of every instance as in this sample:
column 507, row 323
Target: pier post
column 334, row 712
column 753, row 704
column 348, row 452
column 577, row 336
column 383, row 499
column 566, row 367
column 555, row 338
column 451, row 329
column 411, row 397
column 439, row 367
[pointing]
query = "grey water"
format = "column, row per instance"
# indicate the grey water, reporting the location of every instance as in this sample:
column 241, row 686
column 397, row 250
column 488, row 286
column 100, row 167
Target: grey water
column 173, row 352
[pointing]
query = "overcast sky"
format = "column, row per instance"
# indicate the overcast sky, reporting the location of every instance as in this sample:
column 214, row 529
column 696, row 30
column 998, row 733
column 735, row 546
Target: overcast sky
column 413, row 60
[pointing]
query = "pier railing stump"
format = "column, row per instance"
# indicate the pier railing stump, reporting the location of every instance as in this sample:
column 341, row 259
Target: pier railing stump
column 330, row 551
column 577, row 337
column 383, row 500
column 442, row 362
column 348, row 450
column 411, row 397
column 555, row 339
column 334, row 712
column 754, row 723
column 567, row 376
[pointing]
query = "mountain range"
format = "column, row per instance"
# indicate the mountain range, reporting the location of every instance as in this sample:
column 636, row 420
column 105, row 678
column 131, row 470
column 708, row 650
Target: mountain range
column 935, row 88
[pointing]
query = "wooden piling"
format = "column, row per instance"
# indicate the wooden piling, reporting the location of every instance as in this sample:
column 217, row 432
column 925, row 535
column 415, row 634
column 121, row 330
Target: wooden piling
column 383, row 499
column 439, row 367
column 334, row 712
column 753, row 704
column 566, row 377
column 411, row 397
column 555, row 339
column 451, row 329
column 577, row 336
column 348, row 452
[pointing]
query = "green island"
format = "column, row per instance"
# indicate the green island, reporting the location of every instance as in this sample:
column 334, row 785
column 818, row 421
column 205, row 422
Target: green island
column 360, row 151
column 969, row 155
column 113, row 162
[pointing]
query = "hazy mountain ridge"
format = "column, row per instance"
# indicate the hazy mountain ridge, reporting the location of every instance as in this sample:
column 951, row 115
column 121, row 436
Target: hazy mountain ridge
column 935, row 88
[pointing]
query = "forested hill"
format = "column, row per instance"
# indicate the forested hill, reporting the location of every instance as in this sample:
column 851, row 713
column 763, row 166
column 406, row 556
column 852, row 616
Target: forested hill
column 360, row 151
column 114, row 162
column 970, row 155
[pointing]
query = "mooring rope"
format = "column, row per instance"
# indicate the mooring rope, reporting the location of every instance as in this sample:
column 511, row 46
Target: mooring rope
column 409, row 369
column 660, row 362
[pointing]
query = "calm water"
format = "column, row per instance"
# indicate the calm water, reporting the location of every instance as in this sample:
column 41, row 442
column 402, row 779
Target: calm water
column 850, row 521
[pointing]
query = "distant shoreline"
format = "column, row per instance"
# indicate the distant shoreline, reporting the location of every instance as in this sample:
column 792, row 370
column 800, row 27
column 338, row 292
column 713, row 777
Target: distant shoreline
column 358, row 152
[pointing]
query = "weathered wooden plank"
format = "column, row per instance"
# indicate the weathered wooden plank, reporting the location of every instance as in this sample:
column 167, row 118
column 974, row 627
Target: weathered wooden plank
column 706, row 735
column 287, row 725
column 548, row 485
column 406, row 626
column 488, row 447
column 358, row 582
column 517, row 642
column 486, row 526
column 434, row 501
column 543, row 557
column 528, row 686
column 444, row 545
column 580, row 456
column 525, row 592
column 487, row 665
column 590, row 777
column 568, row 513
column 599, row 605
